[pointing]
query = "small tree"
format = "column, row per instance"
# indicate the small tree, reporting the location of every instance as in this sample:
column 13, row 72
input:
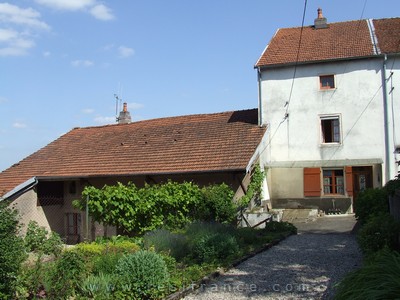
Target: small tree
column 12, row 252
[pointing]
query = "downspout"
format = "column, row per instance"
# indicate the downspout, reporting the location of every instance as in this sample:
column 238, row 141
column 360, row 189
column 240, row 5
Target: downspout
column 386, row 120
column 260, row 120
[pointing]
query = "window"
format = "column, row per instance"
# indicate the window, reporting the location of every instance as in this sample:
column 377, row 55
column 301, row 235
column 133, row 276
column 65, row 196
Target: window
column 50, row 193
column 326, row 82
column 333, row 182
column 330, row 129
column 73, row 223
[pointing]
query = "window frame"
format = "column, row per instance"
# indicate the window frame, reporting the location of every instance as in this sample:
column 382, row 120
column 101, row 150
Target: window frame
column 333, row 185
column 323, row 136
column 74, row 225
column 331, row 78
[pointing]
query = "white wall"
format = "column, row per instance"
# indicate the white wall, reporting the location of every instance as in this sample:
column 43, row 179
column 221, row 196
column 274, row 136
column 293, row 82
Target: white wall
column 357, row 98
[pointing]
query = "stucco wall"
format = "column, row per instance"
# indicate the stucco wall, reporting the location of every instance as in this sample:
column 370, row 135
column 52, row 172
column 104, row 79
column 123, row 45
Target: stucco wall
column 357, row 99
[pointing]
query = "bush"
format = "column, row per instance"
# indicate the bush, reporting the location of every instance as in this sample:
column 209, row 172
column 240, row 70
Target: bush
column 379, row 232
column 67, row 273
column 37, row 239
column 370, row 202
column 164, row 241
column 98, row 286
column 377, row 280
column 12, row 251
column 142, row 275
column 217, row 205
column 105, row 264
column 209, row 248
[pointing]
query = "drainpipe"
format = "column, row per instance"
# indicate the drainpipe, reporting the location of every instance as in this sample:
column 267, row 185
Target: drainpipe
column 386, row 120
column 260, row 121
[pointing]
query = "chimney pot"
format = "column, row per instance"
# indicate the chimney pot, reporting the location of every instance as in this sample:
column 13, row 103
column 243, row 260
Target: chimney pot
column 320, row 22
column 124, row 115
column 320, row 16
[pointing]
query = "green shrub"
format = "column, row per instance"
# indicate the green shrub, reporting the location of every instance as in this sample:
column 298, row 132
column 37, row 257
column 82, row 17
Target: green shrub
column 90, row 250
column 217, row 205
column 123, row 247
column 38, row 239
column 142, row 275
column 100, row 286
column 67, row 273
column 377, row 280
column 379, row 232
column 12, row 251
column 105, row 264
column 392, row 185
column 209, row 248
column 164, row 241
column 370, row 202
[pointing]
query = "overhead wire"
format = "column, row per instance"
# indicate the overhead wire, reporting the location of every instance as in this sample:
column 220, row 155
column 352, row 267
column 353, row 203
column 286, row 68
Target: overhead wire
column 293, row 79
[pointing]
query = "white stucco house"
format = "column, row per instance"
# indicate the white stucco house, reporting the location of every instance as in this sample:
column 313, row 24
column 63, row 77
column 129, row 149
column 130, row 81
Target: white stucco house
column 329, row 97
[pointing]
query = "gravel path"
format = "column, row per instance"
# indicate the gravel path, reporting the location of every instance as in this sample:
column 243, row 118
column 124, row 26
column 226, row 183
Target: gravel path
column 304, row 266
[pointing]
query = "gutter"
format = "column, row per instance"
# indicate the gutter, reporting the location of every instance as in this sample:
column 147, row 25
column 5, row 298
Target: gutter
column 385, row 120
column 260, row 120
column 20, row 189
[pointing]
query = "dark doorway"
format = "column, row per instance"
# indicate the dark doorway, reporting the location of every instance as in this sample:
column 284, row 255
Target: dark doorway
column 362, row 179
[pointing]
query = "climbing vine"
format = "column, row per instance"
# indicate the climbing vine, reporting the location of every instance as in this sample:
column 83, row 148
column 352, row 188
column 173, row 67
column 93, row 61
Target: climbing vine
column 171, row 205
column 255, row 187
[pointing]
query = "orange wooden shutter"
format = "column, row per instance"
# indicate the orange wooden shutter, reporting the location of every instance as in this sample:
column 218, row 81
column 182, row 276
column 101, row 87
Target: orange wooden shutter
column 349, row 180
column 312, row 182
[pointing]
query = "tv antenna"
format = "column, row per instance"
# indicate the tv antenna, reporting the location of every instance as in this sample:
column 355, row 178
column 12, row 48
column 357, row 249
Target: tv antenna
column 118, row 102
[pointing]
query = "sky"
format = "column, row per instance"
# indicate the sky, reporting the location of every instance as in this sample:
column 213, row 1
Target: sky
column 63, row 62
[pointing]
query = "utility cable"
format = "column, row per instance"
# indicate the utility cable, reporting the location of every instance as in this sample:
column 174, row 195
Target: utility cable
column 297, row 58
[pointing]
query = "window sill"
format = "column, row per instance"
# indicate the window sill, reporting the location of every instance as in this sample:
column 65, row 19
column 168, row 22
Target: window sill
column 330, row 144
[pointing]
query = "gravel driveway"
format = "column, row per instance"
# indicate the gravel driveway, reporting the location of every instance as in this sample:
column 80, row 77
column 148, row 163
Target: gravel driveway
column 304, row 266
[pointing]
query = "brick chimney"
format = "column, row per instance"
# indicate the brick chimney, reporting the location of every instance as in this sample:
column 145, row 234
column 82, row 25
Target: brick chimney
column 320, row 22
column 124, row 115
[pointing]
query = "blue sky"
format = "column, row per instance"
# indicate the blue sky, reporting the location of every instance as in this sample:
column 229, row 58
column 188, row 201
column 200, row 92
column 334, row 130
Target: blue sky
column 62, row 61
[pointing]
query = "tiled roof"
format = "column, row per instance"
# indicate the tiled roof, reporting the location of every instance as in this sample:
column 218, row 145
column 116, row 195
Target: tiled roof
column 342, row 40
column 194, row 143
column 388, row 34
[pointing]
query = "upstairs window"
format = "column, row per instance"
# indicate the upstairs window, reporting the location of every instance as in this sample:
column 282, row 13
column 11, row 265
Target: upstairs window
column 330, row 129
column 333, row 182
column 50, row 193
column 326, row 82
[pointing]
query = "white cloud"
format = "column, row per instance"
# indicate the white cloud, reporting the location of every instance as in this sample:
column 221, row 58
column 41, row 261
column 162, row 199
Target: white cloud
column 88, row 110
column 3, row 100
column 46, row 53
column 82, row 63
column 21, row 16
column 101, row 12
column 19, row 125
column 97, row 10
column 67, row 4
column 125, row 52
column 22, row 24
column 104, row 120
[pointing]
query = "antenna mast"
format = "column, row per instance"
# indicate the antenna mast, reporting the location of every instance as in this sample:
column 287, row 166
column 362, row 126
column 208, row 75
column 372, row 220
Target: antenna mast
column 118, row 102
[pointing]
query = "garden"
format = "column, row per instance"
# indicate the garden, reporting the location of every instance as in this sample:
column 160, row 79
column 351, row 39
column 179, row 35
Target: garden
column 175, row 234
column 379, row 241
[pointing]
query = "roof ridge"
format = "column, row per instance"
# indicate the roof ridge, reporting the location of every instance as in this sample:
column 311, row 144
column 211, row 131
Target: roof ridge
column 163, row 118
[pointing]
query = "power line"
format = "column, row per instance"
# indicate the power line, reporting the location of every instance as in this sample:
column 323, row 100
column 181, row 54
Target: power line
column 297, row 59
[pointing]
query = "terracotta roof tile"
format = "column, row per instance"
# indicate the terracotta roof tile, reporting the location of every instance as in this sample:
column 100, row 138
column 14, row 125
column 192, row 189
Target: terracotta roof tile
column 195, row 143
column 342, row 40
column 387, row 32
